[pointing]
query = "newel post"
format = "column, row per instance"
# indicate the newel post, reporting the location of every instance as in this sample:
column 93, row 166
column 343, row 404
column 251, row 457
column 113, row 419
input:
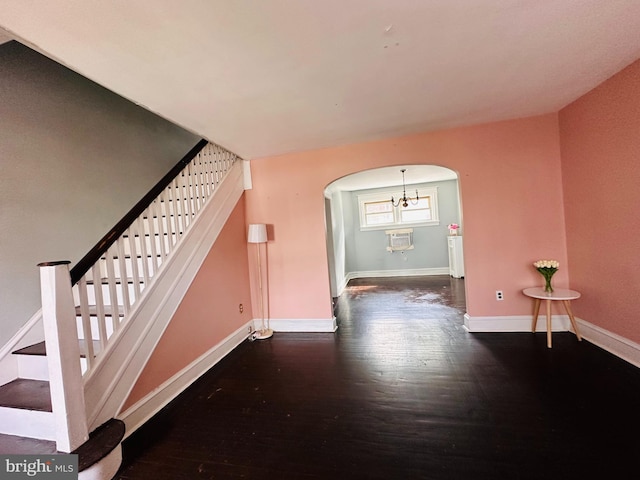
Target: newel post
column 63, row 356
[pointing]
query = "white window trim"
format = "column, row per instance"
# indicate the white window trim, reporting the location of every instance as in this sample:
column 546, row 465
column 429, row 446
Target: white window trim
column 386, row 196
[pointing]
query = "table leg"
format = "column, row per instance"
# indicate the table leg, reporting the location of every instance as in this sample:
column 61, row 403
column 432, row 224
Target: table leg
column 567, row 306
column 536, row 310
column 548, row 323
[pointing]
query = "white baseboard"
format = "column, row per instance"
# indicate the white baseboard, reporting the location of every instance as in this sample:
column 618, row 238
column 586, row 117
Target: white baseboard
column 413, row 272
column 613, row 343
column 515, row 323
column 313, row 325
column 136, row 415
column 410, row 272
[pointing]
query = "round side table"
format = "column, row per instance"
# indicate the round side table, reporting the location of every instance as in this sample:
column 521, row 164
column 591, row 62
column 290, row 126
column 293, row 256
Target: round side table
column 559, row 294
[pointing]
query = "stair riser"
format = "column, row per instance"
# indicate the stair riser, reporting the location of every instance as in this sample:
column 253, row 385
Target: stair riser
column 95, row 329
column 27, row 423
column 169, row 224
column 178, row 209
column 33, row 367
column 106, row 468
column 106, row 294
column 169, row 240
column 152, row 263
column 83, row 365
column 128, row 269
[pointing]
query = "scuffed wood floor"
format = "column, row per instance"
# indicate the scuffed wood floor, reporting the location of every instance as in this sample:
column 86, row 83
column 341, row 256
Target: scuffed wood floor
column 400, row 391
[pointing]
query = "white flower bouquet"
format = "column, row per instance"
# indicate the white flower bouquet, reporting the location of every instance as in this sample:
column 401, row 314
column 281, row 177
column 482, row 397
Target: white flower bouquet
column 547, row 268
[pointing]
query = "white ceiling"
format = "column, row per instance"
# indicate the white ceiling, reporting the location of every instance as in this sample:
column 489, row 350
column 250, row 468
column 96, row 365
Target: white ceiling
column 391, row 176
column 265, row 77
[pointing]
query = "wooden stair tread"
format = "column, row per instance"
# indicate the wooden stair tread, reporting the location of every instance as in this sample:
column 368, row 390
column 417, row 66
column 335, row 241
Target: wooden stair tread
column 108, row 311
column 128, row 257
column 36, row 349
column 26, row 394
column 157, row 234
column 40, row 349
column 118, row 281
column 14, row 445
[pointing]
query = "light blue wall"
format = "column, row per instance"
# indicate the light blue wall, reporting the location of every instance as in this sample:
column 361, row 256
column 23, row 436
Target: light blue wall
column 366, row 250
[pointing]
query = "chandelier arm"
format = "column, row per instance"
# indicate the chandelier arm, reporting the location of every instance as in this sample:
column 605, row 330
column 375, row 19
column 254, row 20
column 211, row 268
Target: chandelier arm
column 404, row 200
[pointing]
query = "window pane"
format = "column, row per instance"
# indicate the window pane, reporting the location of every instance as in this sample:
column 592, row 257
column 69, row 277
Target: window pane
column 421, row 204
column 379, row 218
column 378, row 207
column 407, row 215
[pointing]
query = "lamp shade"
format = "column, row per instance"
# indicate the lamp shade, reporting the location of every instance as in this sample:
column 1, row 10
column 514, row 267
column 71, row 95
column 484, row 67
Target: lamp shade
column 257, row 233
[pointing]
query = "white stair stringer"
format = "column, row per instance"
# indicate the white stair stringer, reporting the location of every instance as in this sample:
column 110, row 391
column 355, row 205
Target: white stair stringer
column 32, row 332
column 112, row 378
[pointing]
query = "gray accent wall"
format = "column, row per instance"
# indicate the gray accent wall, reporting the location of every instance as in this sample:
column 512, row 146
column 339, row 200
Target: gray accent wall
column 74, row 159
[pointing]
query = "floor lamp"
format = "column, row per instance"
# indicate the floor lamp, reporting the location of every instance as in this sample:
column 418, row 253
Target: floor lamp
column 258, row 235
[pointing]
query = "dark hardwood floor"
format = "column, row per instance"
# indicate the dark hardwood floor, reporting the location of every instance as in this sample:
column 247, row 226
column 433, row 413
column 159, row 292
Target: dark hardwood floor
column 400, row 391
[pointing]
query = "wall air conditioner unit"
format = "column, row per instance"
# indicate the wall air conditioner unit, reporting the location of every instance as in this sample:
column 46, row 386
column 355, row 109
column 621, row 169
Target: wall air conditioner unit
column 399, row 240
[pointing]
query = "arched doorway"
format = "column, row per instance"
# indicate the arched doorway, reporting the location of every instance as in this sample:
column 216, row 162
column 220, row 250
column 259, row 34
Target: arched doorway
column 358, row 248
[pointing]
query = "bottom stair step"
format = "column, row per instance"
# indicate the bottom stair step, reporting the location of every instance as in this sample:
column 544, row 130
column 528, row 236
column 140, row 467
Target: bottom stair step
column 26, row 394
column 102, row 441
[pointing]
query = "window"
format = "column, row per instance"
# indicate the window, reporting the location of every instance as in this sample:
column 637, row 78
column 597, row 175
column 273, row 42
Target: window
column 377, row 211
column 421, row 212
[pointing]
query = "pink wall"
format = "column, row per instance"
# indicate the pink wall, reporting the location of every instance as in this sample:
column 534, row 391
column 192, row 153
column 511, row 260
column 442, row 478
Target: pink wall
column 600, row 144
column 510, row 181
column 515, row 191
column 209, row 311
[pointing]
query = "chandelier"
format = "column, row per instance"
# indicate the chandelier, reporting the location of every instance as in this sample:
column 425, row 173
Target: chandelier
column 404, row 201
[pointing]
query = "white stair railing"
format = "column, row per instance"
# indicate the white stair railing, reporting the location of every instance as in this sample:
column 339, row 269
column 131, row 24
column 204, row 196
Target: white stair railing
column 106, row 285
column 108, row 291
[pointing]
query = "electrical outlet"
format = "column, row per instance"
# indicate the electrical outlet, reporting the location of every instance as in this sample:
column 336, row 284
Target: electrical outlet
column 499, row 295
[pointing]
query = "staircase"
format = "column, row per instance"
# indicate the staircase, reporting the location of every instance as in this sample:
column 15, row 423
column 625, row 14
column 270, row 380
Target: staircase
column 101, row 320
